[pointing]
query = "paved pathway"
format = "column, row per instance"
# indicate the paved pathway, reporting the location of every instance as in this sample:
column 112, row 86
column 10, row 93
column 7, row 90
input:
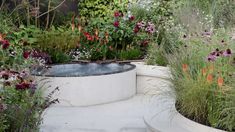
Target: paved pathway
column 123, row 116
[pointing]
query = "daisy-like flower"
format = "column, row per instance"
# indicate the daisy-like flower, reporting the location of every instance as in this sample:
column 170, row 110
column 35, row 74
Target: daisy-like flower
column 227, row 52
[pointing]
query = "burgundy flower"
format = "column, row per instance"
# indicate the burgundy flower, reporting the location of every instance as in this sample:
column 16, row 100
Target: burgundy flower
column 22, row 86
column 136, row 29
column 132, row 18
column 117, row 14
column 5, row 76
column 26, row 54
column 145, row 43
column 116, row 24
column 5, row 44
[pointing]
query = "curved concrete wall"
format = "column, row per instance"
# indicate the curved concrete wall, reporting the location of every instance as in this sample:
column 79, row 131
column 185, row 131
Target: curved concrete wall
column 92, row 90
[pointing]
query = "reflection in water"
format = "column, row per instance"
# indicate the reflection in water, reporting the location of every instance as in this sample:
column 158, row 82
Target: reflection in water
column 82, row 69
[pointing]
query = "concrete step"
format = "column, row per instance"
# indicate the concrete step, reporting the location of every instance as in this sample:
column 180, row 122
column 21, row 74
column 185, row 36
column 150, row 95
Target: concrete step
column 122, row 116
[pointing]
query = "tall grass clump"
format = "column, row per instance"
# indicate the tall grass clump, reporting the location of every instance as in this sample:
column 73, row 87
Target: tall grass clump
column 203, row 77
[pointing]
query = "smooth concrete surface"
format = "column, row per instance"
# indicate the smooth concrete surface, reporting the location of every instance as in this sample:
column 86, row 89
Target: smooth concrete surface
column 122, row 116
column 92, row 90
column 152, row 79
column 163, row 117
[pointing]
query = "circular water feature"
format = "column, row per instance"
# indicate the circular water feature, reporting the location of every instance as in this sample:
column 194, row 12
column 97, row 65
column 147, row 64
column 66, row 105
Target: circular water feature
column 75, row 70
column 88, row 84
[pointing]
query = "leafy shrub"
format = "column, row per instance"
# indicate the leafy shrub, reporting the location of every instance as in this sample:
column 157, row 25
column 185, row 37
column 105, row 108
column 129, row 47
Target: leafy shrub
column 99, row 8
column 6, row 23
column 57, row 43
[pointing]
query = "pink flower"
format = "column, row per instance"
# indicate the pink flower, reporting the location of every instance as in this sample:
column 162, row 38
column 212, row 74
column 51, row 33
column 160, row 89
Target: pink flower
column 141, row 25
column 116, row 24
column 150, row 28
column 227, row 52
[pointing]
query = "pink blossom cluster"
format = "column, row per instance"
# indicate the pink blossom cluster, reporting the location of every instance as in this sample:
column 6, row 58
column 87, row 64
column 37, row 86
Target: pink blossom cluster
column 149, row 27
column 219, row 53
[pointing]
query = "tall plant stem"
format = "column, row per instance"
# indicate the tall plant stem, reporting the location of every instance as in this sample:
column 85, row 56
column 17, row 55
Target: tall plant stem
column 35, row 6
column 38, row 5
column 28, row 12
column 3, row 2
column 53, row 18
column 48, row 14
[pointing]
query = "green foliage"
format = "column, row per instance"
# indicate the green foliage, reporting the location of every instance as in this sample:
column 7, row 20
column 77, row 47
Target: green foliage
column 224, row 13
column 156, row 56
column 100, row 8
column 57, row 43
column 130, row 54
column 6, row 23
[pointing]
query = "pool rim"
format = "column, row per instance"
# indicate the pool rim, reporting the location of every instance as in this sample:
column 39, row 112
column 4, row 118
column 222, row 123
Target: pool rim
column 116, row 72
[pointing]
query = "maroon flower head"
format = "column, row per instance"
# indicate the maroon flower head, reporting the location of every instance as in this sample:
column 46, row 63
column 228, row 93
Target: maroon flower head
column 132, row 18
column 26, row 54
column 22, row 86
column 116, row 24
column 5, row 44
column 117, row 14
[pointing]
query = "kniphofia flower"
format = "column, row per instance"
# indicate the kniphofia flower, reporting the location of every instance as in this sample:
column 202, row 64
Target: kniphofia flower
column 73, row 25
column 220, row 81
column 106, row 36
column 96, row 32
column 204, row 70
column 184, row 67
column 211, row 68
column 79, row 28
column 209, row 78
column 2, row 37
